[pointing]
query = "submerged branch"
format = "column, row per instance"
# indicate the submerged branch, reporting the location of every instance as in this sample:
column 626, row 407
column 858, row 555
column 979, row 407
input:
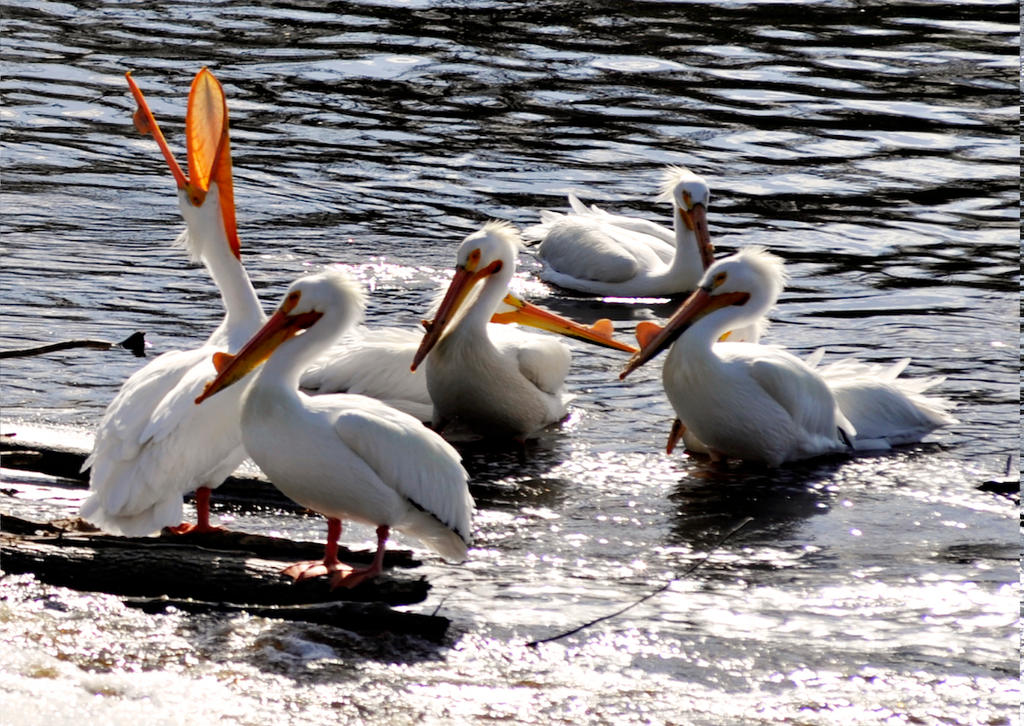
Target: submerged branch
column 721, row 540
column 136, row 343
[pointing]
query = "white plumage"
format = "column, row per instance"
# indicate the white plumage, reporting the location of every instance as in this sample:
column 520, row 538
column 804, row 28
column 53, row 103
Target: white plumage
column 345, row 456
column 374, row 362
column 885, row 409
column 153, row 445
column 378, row 362
column 760, row 403
column 496, row 381
column 599, row 253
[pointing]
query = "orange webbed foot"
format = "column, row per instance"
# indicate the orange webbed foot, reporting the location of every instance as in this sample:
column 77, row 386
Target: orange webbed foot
column 354, row 577
column 189, row 528
column 315, row 568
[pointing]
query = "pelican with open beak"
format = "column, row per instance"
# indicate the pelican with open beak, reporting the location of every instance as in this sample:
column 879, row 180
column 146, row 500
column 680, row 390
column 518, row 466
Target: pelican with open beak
column 153, row 445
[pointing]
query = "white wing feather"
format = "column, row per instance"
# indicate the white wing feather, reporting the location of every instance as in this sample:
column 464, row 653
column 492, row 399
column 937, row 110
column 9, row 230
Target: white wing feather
column 427, row 472
column 543, row 360
column 801, row 392
column 633, row 224
column 374, row 363
column 641, row 226
column 588, row 252
column 593, row 249
column 154, row 445
column 885, row 409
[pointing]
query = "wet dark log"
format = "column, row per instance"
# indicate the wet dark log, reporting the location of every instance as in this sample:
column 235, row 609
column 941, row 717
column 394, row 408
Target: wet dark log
column 367, row 618
column 22, row 450
column 30, row 456
column 214, row 572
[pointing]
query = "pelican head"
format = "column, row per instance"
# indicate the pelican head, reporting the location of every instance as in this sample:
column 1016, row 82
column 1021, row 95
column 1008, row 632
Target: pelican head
column 329, row 300
column 209, row 149
column 690, row 197
column 735, row 291
column 489, row 251
column 494, row 246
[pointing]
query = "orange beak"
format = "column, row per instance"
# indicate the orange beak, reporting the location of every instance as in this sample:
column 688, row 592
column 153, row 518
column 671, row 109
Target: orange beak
column 146, row 124
column 464, row 279
column 600, row 333
column 281, row 326
column 696, row 220
column 700, row 303
column 209, row 149
column 524, row 313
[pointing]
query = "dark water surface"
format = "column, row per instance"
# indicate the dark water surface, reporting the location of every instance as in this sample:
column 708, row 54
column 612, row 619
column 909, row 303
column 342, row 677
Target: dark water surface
column 872, row 145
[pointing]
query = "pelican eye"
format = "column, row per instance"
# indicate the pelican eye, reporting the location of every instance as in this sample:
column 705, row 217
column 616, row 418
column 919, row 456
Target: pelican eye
column 719, row 279
column 473, row 260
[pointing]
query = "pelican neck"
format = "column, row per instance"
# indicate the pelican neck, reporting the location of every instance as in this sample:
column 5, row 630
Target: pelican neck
column 208, row 240
column 686, row 261
column 479, row 312
column 290, row 360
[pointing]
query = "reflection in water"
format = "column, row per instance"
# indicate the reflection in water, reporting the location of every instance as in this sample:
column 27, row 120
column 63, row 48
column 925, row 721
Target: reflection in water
column 713, row 499
column 874, row 148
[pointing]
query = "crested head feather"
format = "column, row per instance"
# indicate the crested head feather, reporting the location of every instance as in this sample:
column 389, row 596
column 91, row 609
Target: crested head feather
column 769, row 263
column 353, row 292
column 757, row 262
column 331, row 288
column 504, row 230
column 671, row 177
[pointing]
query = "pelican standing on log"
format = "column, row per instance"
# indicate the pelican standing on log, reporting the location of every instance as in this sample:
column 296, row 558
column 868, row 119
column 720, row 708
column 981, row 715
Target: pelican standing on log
column 344, row 456
column 153, row 444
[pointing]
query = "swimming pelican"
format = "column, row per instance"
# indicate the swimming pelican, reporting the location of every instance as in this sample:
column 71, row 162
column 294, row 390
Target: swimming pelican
column 604, row 254
column 376, row 362
column 153, row 445
column 496, row 381
column 760, row 403
column 344, row 456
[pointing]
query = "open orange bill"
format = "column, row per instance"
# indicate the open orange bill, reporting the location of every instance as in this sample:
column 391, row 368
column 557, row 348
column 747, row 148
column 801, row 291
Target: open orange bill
column 208, row 147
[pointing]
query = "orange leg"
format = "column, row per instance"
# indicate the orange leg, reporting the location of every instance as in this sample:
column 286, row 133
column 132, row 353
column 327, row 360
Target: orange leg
column 678, row 429
column 202, row 516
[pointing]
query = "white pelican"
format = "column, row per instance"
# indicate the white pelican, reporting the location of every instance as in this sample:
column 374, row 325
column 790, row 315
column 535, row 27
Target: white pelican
column 345, row 456
column 757, row 402
column 376, row 362
column 604, row 254
column 153, row 445
column 494, row 380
